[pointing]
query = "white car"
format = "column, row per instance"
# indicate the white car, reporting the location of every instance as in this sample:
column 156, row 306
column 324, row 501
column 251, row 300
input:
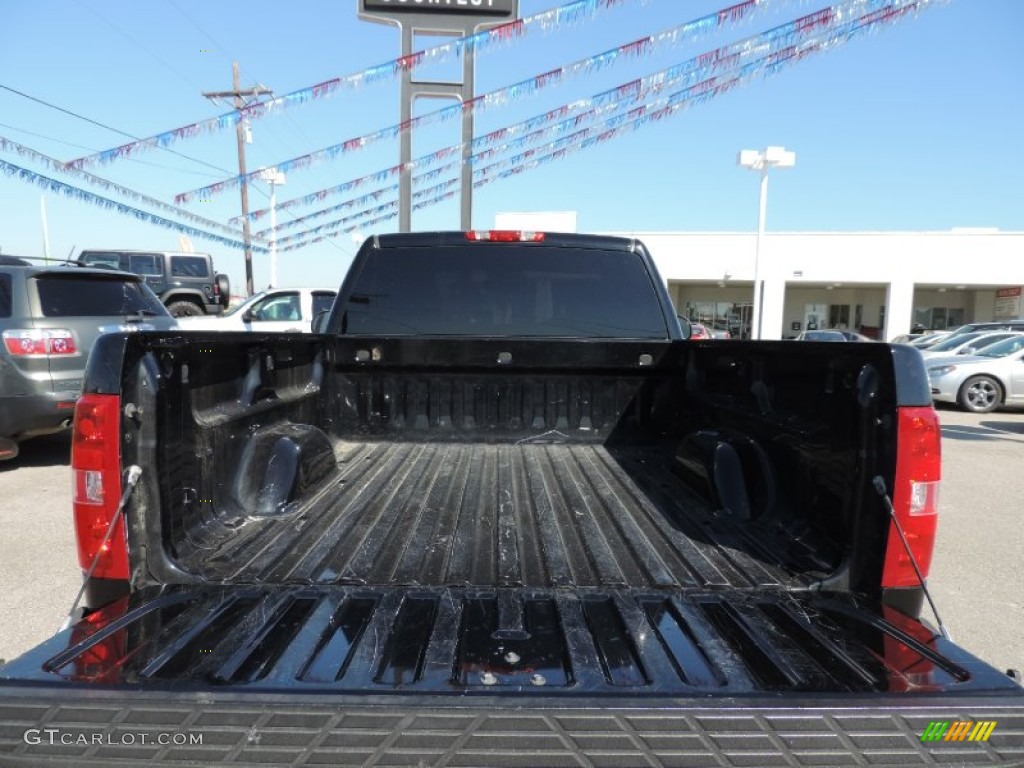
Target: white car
column 276, row 310
column 966, row 343
column 982, row 382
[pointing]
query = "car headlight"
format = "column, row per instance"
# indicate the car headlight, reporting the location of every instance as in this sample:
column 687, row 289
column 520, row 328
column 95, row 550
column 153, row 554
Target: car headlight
column 941, row 370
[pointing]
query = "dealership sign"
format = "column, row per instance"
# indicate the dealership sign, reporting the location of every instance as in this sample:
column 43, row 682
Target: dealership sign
column 464, row 20
column 501, row 8
column 1008, row 302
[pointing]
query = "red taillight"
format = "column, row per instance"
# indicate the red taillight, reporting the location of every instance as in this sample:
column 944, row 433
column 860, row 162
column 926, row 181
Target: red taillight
column 96, row 474
column 915, row 496
column 504, row 236
column 40, row 342
column 908, row 669
column 100, row 661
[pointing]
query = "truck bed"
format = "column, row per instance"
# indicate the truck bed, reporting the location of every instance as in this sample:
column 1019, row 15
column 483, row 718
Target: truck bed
column 532, row 514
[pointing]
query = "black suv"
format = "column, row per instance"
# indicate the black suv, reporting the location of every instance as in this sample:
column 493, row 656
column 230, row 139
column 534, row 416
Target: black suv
column 185, row 282
column 49, row 318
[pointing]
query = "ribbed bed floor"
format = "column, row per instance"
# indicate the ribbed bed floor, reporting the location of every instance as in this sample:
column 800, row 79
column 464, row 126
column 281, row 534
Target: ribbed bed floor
column 533, row 515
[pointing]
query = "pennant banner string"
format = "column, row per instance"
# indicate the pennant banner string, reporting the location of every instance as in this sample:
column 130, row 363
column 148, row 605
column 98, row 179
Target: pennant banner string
column 370, row 197
column 377, row 177
column 643, row 46
column 698, row 94
column 693, row 70
column 571, row 13
column 648, row 114
column 8, row 145
column 75, row 193
column 424, row 197
column 333, row 225
column 354, row 202
column 352, row 228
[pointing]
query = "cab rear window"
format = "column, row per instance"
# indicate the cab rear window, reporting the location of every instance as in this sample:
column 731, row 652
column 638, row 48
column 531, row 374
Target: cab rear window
column 6, row 302
column 505, row 290
column 322, row 302
column 79, row 296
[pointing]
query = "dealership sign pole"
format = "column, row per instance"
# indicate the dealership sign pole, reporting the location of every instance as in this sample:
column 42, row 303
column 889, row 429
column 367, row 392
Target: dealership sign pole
column 460, row 18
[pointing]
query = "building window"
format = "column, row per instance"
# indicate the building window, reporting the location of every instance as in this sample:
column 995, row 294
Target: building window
column 720, row 316
column 839, row 316
column 938, row 318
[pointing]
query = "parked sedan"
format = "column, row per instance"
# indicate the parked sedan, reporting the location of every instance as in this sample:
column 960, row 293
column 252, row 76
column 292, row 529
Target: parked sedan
column 982, row 382
column 699, row 331
column 966, row 343
column 920, row 339
column 926, row 340
column 277, row 310
column 832, row 334
column 820, row 336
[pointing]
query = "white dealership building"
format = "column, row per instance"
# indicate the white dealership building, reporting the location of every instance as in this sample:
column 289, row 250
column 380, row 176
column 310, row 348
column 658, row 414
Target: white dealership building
column 882, row 283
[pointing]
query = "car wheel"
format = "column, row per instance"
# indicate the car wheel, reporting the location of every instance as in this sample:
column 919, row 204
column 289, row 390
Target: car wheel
column 980, row 394
column 184, row 309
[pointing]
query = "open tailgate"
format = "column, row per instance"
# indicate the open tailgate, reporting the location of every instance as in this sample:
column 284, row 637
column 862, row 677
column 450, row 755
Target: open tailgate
column 352, row 675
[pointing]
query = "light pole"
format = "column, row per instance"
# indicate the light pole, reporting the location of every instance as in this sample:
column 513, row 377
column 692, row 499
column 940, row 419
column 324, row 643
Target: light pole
column 274, row 178
column 772, row 157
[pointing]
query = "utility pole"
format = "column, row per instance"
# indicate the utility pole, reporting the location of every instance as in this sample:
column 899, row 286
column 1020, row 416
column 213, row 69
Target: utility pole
column 239, row 101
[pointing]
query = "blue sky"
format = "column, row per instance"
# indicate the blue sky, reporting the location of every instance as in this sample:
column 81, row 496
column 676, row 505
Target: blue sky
column 914, row 127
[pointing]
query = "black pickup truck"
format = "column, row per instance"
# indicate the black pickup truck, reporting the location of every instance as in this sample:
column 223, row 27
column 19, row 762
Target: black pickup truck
column 503, row 513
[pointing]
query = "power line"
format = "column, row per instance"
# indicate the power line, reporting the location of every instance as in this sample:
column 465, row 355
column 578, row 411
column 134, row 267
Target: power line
column 90, row 149
column 201, row 31
column 65, row 111
column 115, row 130
column 53, row 185
column 573, row 10
column 147, row 48
column 106, row 127
column 248, row 75
column 767, row 60
column 672, row 36
column 8, row 145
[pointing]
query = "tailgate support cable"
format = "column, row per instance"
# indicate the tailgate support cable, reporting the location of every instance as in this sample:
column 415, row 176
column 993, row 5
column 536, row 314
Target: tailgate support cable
column 879, row 482
column 131, row 480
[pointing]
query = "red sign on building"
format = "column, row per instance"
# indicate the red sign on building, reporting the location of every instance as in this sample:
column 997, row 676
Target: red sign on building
column 1008, row 302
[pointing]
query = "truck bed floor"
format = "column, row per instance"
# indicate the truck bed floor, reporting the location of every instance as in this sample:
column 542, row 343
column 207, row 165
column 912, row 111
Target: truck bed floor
column 473, row 514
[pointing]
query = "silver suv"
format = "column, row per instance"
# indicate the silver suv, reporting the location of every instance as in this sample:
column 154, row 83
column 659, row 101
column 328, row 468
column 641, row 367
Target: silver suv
column 49, row 318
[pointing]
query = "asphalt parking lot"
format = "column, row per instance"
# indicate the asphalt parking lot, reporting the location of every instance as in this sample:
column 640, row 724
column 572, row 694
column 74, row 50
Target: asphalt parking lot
column 977, row 574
